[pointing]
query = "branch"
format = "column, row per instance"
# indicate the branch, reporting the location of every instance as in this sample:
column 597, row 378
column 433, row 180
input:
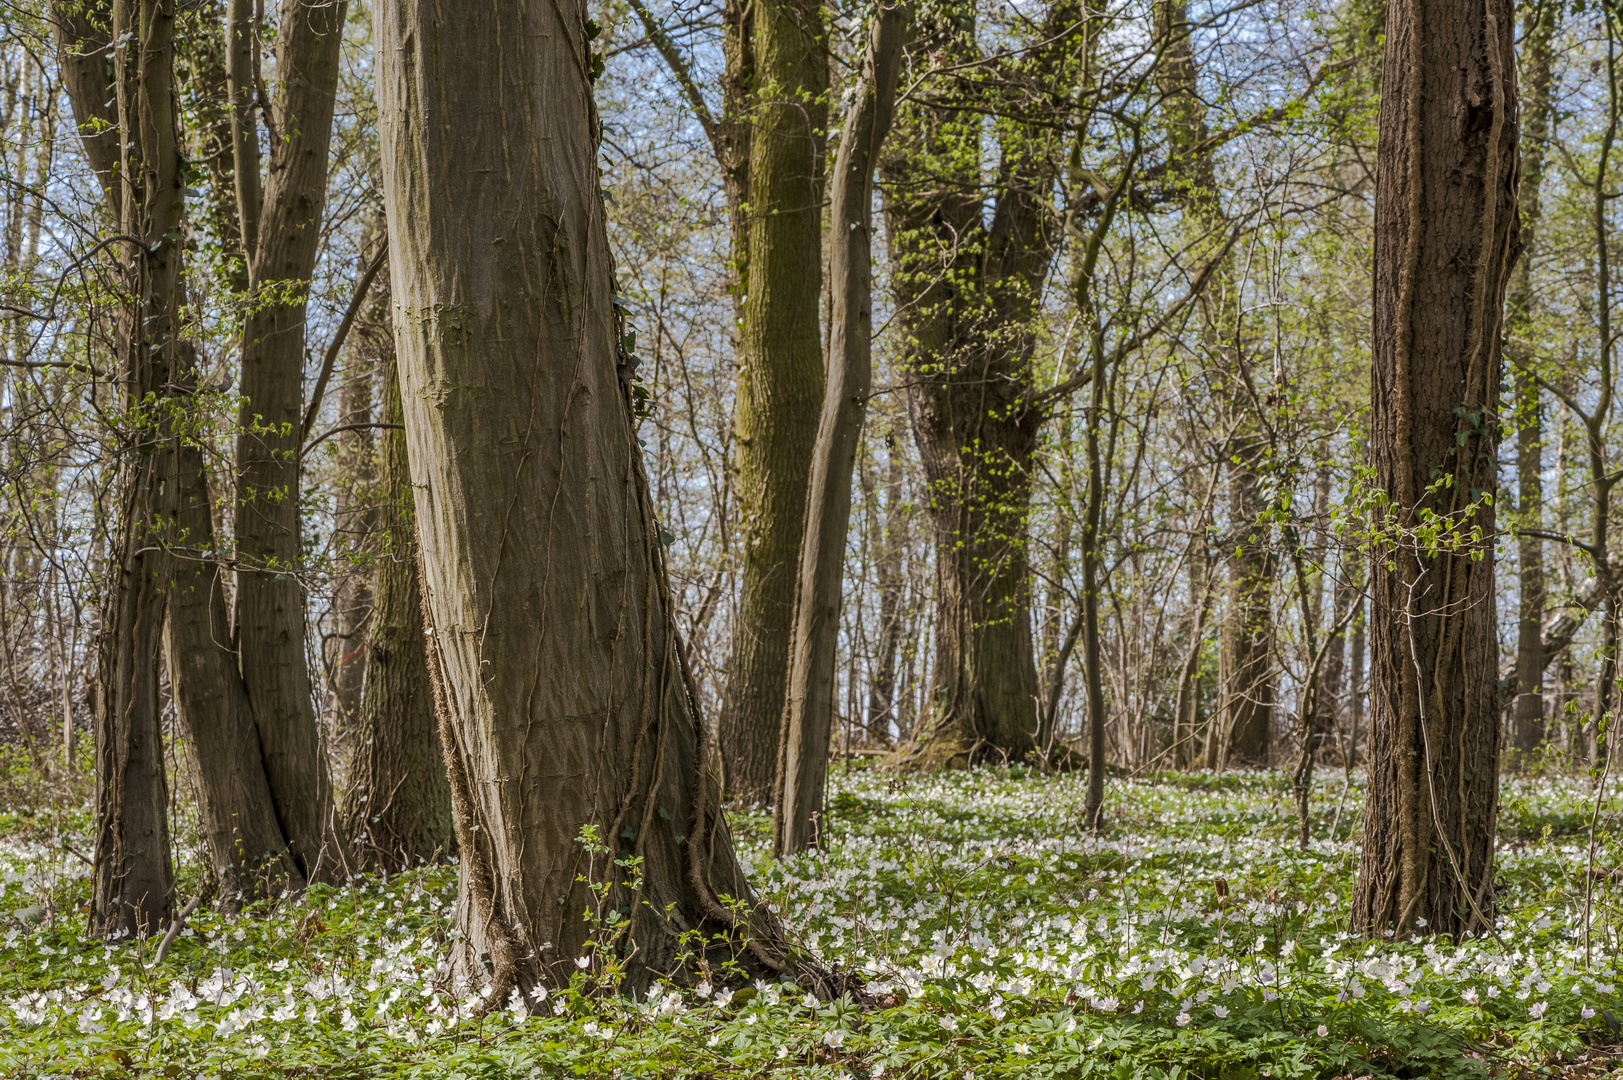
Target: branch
column 682, row 73
column 331, row 358
column 65, row 365
column 341, row 428
column 1556, row 634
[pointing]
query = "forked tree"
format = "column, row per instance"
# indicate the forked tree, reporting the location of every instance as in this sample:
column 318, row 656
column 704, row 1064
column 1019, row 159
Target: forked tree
column 564, row 699
column 1445, row 241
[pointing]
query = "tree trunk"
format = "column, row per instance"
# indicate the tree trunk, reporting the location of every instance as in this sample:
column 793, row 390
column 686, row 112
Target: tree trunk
column 397, row 807
column 1527, row 723
column 883, row 713
column 1445, row 240
column 134, row 883
column 247, row 848
column 967, row 291
column 355, row 516
column 1248, row 635
column 572, row 737
column 809, row 714
column 270, row 595
column 780, row 375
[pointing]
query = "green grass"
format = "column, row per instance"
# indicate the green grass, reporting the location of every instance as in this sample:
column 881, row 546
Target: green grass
column 1011, row 944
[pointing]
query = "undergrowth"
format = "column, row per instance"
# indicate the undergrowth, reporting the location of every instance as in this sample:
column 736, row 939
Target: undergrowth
column 1192, row 939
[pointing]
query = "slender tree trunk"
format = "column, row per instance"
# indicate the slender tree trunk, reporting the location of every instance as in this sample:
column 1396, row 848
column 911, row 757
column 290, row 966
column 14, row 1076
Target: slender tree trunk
column 270, row 595
column 1527, row 724
column 355, row 516
column 397, row 807
column 247, row 848
column 809, row 713
column 572, row 737
column 1248, row 636
column 1444, row 247
column 883, row 706
column 133, row 879
column 780, row 375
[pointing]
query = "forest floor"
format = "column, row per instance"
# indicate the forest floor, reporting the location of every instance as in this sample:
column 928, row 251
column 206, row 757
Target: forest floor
column 1193, row 939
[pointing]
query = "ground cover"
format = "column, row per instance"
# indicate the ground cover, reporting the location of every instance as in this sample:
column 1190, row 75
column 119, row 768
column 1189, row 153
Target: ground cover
column 997, row 939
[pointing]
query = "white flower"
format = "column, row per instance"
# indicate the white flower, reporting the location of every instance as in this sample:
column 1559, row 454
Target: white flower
column 1471, row 995
column 1183, row 1019
column 350, row 1022
column 1323, row 1031
column 1222, row 1011
column 833, row 1039
column 809, row 1001
column 703, row 989
column 1536, row 1011
column 1422, row 1007
column 783, row 1052
column 723, row 996
column 583, row 962
column 949, row 1022
column 1586, row 1012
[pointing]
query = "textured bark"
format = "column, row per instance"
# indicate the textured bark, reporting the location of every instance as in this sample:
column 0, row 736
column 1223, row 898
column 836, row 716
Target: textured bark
column 1445, row 240
column 270, row 597
column 965, row 317
column 1248, row 635
column 563, row 698
column 397, row 807
column 809, row 712
column 780, row 374
column 355, row 516
column 133, row 880
column 1527, row 714
column 247, row 849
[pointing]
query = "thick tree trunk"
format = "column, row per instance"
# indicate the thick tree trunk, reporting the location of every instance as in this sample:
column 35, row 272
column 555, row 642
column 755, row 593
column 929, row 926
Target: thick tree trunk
column 966, row 317
column 780, row 375
column 397, row 807
column 565, row 705
column 270, row 595
column 1445, row 240
column 809, row 713
column 1527, row 715
column 134, row 881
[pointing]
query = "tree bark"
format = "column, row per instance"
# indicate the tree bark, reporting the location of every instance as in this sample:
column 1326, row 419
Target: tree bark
column 780, row 374
column 1445, row 240
column 247, row 848
column 270, row 595
column 809, row 713
column 966, row 294
column 133, row 879
column 564, row 701
column 397, row 807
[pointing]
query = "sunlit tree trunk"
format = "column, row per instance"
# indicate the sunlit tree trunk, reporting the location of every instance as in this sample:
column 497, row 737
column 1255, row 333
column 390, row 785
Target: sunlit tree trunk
column 563, row 696
column 809, row 713
column 1445, row 240
column 780, row 373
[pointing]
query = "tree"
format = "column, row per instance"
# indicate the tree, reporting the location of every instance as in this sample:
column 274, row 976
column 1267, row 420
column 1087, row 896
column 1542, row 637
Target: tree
column 140, row 169
column 1445, row 241
column 808, row 715
column 578, row 764
column 966, row 290
column 769, row 144
column 397, row 807
column 1527, row 724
